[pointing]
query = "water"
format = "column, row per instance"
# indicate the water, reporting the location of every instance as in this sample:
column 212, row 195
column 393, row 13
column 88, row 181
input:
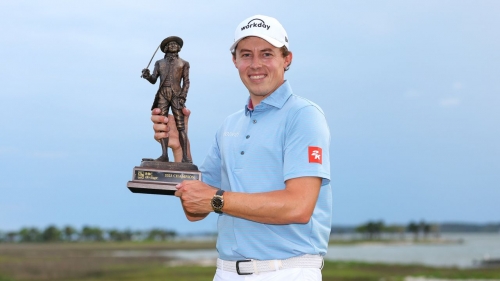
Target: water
column 472, row 247
column 188, row 255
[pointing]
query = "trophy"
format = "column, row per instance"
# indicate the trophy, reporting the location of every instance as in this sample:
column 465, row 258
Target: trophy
column 159, row 176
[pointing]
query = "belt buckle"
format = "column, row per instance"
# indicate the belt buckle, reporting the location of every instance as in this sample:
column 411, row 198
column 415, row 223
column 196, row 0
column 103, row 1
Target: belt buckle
column 238, row 267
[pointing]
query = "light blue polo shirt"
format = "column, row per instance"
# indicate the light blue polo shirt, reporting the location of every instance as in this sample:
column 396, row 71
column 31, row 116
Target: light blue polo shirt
column 284, row 137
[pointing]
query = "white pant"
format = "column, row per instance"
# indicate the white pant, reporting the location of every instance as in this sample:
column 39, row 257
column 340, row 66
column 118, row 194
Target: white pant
column 290, row 274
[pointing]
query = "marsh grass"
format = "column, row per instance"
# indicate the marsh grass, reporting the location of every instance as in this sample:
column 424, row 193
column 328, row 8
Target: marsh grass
column 386, row 272
column 95, row 262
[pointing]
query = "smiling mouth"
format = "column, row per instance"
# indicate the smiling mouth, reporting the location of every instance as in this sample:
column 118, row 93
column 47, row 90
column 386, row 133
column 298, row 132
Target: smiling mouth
column 257, row 77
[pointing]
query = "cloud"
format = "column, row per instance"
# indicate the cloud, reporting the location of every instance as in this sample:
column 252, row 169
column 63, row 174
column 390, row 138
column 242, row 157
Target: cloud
column 449, row 102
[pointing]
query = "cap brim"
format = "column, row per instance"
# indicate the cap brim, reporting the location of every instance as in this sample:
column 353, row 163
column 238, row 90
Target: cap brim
column 271, row 41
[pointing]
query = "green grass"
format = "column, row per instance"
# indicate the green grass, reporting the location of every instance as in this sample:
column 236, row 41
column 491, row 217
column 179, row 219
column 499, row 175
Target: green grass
column 151, row 273
column 94, row 262
column 374, row 271
column 332, row 271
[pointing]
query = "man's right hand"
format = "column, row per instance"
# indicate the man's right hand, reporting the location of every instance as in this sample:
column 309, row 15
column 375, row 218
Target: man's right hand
column 160, row 124
column 165, row 128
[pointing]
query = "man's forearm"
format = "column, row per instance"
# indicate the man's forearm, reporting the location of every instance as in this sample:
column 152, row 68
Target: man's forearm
column 294, row 204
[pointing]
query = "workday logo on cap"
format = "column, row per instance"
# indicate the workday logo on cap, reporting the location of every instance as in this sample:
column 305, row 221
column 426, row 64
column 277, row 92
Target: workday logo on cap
column 267, row 28
column 255, row 23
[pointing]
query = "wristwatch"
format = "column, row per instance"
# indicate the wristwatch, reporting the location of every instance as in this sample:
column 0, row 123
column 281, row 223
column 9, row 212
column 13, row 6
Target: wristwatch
column 218, row 201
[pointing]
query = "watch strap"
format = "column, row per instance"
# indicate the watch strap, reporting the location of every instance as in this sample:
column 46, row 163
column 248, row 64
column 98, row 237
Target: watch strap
column 218, row 201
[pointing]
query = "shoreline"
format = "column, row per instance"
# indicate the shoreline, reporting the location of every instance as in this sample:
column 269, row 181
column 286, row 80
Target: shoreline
column 428, row 241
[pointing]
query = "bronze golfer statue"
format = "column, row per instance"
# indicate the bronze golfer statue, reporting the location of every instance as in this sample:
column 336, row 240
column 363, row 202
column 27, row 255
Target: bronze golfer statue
column 173, row 71
column 161, row 176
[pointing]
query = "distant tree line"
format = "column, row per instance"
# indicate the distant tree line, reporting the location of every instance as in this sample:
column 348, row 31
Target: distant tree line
column 85, row 234
column 470, row 227
column 374, row 230
column 422, row 228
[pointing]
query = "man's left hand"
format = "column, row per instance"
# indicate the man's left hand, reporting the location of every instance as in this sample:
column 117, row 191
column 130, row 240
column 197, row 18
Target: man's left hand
column 196, row 196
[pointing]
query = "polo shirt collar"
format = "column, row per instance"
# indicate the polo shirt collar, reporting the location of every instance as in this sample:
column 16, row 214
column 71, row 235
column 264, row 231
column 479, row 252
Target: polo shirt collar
column 277, row 99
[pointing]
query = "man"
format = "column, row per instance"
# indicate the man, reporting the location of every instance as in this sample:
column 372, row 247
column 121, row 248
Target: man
column 267, row 173
column 172, row 70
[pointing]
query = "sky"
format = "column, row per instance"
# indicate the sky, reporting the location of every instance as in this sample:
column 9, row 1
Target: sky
column 408, row 89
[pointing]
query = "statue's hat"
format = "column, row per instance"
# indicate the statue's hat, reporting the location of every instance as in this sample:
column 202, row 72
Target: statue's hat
column 170, row 39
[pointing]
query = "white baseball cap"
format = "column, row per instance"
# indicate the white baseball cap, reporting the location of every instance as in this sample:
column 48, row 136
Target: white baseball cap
column 265, row 27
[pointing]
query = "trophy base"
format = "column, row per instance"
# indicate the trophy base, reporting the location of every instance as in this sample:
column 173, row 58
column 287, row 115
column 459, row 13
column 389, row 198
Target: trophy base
column 155, row 177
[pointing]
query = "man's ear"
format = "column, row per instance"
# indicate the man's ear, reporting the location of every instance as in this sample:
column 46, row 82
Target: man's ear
column 234, row 60
column 288, row 59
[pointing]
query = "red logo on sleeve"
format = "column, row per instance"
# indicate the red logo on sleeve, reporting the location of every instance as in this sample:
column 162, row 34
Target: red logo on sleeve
column 315, row 154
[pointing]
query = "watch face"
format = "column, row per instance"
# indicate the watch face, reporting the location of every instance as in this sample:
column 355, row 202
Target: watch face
column 217, row 203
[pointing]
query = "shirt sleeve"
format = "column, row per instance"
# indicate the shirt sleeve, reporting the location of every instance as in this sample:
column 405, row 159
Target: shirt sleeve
column 307, row 145
column 211, row 167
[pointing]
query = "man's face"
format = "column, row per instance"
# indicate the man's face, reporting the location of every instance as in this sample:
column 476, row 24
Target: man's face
column 172, row 47
column 261, row 67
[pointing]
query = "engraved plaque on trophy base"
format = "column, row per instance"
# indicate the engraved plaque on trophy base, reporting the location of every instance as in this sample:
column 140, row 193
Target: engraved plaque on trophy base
column 154, row 177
